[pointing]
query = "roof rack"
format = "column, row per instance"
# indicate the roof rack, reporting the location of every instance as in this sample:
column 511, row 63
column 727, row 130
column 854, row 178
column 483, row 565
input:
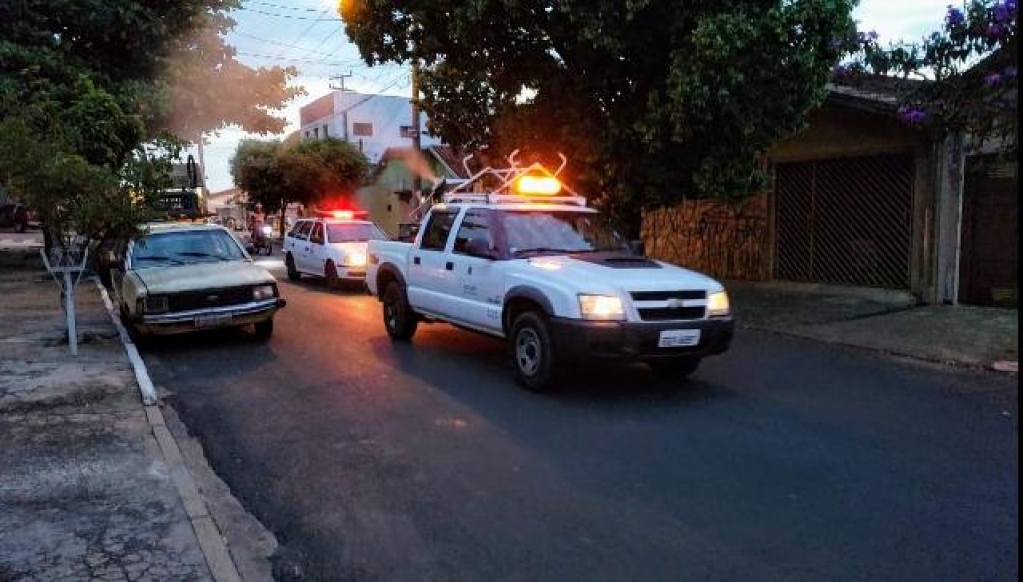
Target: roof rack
column 465, row 192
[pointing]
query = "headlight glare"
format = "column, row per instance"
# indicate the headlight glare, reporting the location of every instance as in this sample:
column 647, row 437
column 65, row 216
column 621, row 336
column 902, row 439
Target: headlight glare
column 602, row 307
column 355, row 260
column 263, row 292
column 717, row 304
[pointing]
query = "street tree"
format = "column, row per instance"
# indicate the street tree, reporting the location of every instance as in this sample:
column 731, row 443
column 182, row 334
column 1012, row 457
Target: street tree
column 966, row 73
column 657, row 100
column 309, row 172
column 103, row 87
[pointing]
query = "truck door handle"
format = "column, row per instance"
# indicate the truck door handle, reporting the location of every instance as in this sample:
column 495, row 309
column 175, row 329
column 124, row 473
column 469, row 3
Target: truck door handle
column 449, row 265
column 415, row 260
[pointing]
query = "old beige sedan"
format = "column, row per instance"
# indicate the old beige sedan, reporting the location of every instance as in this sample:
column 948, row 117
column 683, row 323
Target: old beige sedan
column 183, row 277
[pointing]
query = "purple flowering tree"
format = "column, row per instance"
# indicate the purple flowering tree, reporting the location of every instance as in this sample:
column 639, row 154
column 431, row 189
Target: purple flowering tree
column 968, row 70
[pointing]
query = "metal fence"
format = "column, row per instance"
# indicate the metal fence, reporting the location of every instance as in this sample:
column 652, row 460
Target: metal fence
column 845, row 221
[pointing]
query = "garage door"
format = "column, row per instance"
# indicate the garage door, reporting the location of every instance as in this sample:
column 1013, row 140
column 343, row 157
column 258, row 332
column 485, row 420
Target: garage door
column 989, row 269
column 845, row 221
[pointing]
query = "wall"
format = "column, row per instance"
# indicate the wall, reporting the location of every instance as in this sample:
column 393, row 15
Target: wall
column 722, row 241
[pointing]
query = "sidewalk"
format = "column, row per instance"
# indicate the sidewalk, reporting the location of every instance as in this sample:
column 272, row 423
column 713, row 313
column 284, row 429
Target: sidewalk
column 85, row 490
column 884, row 321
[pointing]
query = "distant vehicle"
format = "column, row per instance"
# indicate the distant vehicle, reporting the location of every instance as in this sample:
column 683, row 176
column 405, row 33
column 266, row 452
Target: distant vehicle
column 332, row 248
column 232, row 216
column 17, row 216
column 539, row 268
column 183, row 277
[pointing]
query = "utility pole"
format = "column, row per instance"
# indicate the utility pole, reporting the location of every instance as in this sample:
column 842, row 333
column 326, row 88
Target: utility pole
column 344, row 110
column 417, row 180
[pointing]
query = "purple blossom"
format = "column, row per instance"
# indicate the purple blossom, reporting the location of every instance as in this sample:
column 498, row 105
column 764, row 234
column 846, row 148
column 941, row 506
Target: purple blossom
column 872, row 35
column 954, row 17
column 911, row 115
column 992, row 79
column 1009, row 72
column 994, row 31
column 1001, row 14
column 1010, row 6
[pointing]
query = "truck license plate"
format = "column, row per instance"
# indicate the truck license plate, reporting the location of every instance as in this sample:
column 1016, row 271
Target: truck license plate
column 678, row 338
column 212, row 320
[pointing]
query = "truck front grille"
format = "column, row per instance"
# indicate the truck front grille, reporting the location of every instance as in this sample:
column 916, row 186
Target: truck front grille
column 668, row 305
column 671, row 313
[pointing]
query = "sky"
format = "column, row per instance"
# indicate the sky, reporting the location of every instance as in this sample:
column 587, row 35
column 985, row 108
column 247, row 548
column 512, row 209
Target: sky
column 308, row 35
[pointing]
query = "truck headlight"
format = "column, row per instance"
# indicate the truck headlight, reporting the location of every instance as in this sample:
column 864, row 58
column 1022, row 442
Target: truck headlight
column 156, row 304
column 355, row 260
column 717, row 304
column 263, row 292
column 602, row 307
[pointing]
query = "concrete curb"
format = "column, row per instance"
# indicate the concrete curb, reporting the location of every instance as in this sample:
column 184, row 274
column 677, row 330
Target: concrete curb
column 211, row 542
column 895, row 354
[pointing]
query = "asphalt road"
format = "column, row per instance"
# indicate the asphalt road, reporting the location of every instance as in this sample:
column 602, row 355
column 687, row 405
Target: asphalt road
column 782, row 460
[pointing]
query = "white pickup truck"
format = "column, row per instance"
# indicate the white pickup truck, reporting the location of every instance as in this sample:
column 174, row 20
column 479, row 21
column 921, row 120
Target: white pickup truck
column 548, row 275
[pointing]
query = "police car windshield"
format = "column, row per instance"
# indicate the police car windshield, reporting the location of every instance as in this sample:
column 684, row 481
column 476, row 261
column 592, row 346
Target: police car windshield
column 536, row 232
column 185, row 247
column 354, row 232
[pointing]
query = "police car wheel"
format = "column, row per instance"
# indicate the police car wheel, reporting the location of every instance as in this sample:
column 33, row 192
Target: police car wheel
column 399, row 319
column 289, row 263
column 533, row 352
column 330, row 273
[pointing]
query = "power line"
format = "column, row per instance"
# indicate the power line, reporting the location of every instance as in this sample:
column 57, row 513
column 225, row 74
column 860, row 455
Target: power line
column 285, row 44
column 281, row 7
column 289, row 16
column 301, row 60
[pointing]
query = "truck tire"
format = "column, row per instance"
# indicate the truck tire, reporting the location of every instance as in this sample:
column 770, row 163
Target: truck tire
column 399, row 319
column 289, row 263
column 674, row 368
column 532, row 351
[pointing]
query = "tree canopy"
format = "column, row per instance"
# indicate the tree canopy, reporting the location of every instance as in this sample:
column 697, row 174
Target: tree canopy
column 95, row 93
column 652, row 100
column 310, row 172
column 967, row 73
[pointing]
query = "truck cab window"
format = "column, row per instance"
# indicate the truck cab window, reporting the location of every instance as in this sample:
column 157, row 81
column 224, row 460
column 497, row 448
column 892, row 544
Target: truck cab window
column 475, row 226
column 437, row 231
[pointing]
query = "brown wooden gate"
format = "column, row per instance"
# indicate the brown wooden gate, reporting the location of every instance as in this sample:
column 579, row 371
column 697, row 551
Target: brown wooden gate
column 845, row 221
column 989, row 260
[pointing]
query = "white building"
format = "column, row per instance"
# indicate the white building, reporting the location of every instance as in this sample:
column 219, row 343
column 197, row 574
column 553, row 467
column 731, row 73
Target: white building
column 373, row 123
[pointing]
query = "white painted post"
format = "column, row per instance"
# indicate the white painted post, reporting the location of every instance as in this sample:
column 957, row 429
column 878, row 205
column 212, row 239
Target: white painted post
column 69, row 313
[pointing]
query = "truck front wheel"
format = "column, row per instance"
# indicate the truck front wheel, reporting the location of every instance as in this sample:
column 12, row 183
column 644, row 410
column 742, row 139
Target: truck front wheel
column 532, row 351
column 399, row 319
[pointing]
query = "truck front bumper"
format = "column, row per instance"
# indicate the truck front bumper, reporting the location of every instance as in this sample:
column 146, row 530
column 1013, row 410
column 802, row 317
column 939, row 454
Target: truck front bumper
column 577, row 339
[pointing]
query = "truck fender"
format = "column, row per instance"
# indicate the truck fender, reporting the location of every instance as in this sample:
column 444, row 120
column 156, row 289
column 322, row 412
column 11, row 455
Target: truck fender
column 388, row 271
column 524, row 292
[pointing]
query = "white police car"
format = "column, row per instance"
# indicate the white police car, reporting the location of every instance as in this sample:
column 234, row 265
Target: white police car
column 333, row 248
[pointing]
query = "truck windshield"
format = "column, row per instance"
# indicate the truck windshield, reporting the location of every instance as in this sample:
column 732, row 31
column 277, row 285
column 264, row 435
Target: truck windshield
column 537, row 232
column 185, row 247
column 354, row 232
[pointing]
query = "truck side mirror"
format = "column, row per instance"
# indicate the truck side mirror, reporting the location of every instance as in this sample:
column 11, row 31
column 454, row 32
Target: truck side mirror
column 638, row 248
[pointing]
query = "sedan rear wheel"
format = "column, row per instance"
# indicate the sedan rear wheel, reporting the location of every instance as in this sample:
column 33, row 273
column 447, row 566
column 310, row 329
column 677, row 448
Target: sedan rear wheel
column 330, row 272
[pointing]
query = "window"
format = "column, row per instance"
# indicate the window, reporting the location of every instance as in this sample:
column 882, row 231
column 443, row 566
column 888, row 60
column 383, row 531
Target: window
column 437, row 230
column 364, row 129
column 531, row 232
column 185, row 248
column 475, row 226
column 302, row 229
column 316, row 132
column 354, row 232
column 317, row 236
column 407, row 131
column 324, row 131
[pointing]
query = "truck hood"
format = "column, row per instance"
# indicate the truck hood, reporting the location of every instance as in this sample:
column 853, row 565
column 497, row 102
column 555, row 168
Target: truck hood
column 620, row 271
column 176, row 278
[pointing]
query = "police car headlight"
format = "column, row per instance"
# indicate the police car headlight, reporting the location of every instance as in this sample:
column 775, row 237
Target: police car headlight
column 355, row 260
column 263, row 292
column 602, row 307
column 717, row 304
